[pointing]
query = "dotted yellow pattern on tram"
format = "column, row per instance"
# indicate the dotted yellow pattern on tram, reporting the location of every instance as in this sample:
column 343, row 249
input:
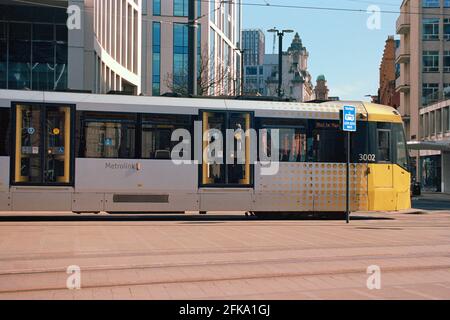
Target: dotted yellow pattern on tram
column 322, row 186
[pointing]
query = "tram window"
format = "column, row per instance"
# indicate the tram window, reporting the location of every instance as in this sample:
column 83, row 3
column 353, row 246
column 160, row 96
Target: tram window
column 360, row 144
column 328, row 142
column 4, row 132
column 213, row 170
column 292, row 144
column 401, row 155
column 293, row 140
column 157, row 132
column 108, row 135
column 384, row 145
column 239, row 172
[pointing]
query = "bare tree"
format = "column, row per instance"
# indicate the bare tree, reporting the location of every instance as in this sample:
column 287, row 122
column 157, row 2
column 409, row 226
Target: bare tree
column 221, row 78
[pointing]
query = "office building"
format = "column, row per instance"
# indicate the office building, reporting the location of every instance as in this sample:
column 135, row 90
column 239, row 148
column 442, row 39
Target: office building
column 424, row 87
column 92, row 45
column 296, row 79
column 253, row 43
column 165, row 47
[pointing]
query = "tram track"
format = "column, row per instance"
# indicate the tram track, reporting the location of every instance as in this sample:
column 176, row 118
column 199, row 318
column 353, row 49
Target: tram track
column 117, row 259
column 26, row 281
column 373, row 256
column 174, row 252
column 354, row 271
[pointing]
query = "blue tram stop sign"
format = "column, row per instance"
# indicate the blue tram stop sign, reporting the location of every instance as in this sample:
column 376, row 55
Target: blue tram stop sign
column 349, row 118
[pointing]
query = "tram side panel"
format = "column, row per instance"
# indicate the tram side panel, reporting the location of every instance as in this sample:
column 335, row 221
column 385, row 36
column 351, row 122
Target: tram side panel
column 289, row 189
column 329, row 187
column 5, row 199
column 115, row 185
column 311, row 187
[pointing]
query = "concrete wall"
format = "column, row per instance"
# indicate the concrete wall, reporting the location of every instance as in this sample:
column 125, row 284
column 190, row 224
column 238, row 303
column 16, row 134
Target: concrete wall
column 106, row 51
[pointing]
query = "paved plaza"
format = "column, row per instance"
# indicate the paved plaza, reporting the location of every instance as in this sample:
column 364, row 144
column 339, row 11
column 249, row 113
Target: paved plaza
column 225, row 257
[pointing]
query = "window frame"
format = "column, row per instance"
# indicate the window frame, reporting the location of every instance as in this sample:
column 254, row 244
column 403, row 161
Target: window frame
column 446, row 29
column 156, row 7
column 434, row 23
column 395, row 130
column 446, row 58
column 156, row 58
column 389, row 131
column 445, row 120
column 433, row 87
column 288, row 127
column 431, row 4
column 141, row 121
column 433, row 57
column 185, row 6
column 81, row 136
column 138, row 116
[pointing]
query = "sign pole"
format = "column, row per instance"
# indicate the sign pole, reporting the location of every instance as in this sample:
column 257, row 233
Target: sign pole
column 347, row 117
column 347, row 202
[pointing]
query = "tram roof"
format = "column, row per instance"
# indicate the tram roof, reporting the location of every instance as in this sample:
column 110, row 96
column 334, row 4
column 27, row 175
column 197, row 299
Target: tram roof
column 126, row 103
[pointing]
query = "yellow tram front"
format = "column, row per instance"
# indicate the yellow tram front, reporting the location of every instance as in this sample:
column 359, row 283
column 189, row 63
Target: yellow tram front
column 388, row 178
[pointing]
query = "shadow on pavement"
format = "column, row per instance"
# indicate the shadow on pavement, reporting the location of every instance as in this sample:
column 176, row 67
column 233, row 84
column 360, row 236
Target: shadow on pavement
column 188, row 219
column 380, row 228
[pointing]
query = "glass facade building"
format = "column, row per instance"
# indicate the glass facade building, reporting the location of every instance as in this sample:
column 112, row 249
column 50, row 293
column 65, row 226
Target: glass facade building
column 33, row 48
column 156, row 7
column 180, row 8
column 180, row 55
column 219, row 39
column 156, row 59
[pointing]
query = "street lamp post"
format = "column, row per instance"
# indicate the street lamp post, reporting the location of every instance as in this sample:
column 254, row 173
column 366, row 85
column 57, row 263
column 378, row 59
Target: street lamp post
column 192, row 48
column 280, row 35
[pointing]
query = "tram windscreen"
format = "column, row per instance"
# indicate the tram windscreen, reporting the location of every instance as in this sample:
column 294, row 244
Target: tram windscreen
column 401, row 152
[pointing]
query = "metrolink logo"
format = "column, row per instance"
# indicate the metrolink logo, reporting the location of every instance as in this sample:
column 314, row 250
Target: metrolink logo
column 122, row 166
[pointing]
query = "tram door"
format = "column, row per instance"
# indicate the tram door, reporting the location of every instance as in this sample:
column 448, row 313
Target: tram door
column 227, row 150
column 43, row 153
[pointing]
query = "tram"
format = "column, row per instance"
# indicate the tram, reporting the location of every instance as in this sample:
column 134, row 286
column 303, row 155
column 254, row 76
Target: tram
column 81, row 152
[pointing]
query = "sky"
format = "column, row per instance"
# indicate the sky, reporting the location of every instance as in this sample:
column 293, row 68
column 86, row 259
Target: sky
column 340, row 44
